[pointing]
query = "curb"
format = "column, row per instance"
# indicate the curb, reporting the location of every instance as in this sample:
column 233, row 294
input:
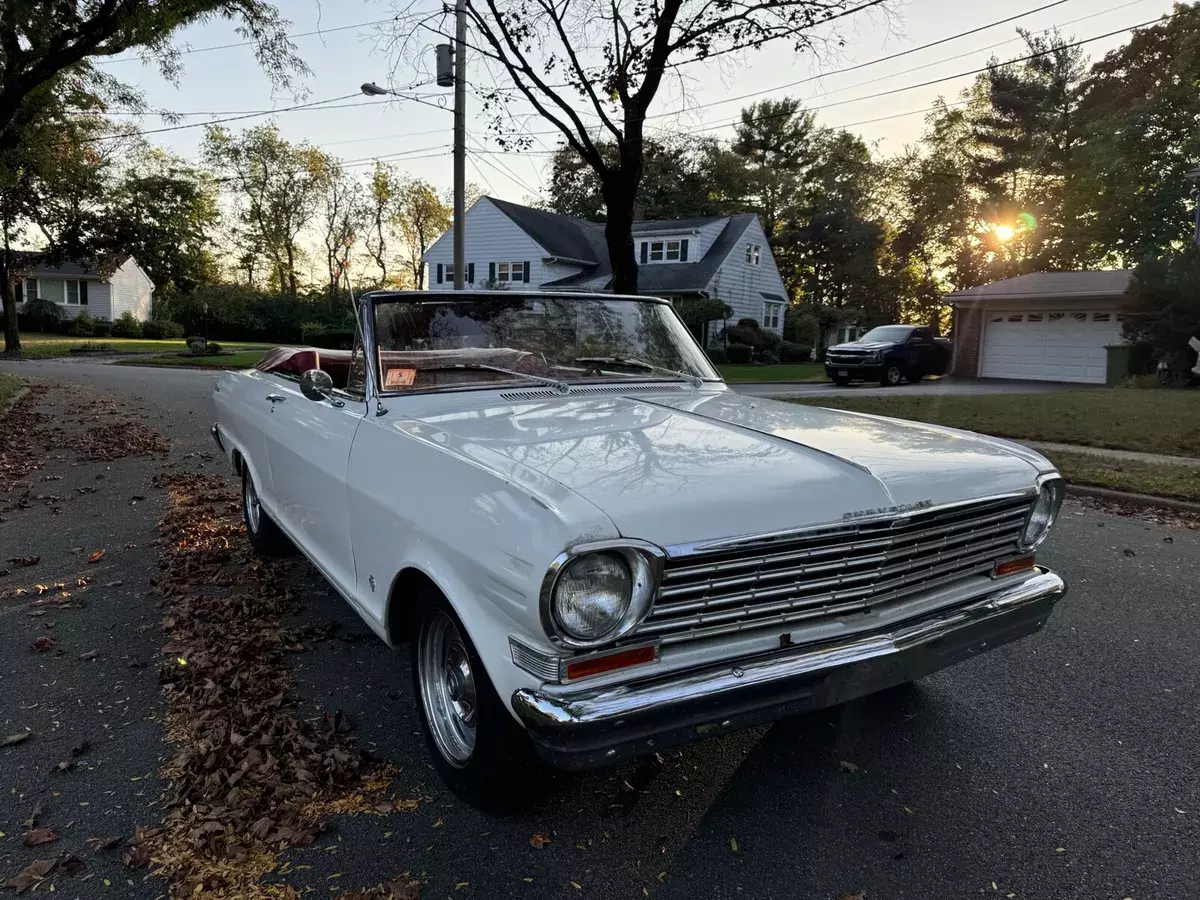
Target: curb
column 1141, row 501
column 17, row 398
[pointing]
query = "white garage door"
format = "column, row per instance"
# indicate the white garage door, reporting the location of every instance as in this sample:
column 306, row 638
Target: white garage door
column 1049, row 346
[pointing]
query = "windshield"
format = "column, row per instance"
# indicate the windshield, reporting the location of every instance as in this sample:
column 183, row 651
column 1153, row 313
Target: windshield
column 479, row 341
column 889, row 333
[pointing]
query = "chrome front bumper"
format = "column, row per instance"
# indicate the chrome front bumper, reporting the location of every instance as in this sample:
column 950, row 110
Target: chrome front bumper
column 586, row 729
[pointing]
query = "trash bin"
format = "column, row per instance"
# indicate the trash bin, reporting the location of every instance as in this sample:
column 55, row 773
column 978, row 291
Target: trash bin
column 1120, row 360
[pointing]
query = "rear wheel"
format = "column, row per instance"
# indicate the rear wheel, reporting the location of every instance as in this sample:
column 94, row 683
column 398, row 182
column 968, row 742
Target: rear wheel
column 479, row 750
column 891, row 375
column 264, row 534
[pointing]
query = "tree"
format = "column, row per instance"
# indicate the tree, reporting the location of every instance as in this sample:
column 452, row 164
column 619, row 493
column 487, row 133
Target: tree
column 1162, row 307
column 613, row 56
column 683, row 177
column 343, row 220
column 43, row 39
column 382, row 193
column 422, row 217
column 164, row 211
column 776, row 141
column 278, row 187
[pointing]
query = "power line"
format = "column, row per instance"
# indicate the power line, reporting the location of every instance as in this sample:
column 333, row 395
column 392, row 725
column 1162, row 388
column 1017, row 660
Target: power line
column 140, row 57
column 164, row 113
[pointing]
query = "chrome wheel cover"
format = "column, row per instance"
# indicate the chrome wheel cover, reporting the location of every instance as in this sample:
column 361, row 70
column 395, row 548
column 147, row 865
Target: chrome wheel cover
column 893, row 375
column 447, row 687
column 251, row 504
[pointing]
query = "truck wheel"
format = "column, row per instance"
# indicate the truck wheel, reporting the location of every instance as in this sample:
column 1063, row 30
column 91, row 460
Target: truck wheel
column 264, row 534
column 479, row 750
column 891, row 375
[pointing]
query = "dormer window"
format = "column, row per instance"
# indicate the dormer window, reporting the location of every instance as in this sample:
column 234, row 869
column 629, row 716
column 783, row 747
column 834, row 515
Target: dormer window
column 667, row 250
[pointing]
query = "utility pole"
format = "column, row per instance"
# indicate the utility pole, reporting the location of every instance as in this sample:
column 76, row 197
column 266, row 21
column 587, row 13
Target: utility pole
column 460, row 144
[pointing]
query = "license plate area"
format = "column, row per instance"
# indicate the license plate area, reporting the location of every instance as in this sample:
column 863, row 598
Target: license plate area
column 843, row 372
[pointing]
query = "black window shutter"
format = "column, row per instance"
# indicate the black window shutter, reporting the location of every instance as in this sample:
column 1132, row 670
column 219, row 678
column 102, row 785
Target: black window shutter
column 439, row 273
column 526, row 270
column 471, row 272
column 82, row 292
column 491, row 271
column 19, row 290
column 683, row 250
column 645, row 255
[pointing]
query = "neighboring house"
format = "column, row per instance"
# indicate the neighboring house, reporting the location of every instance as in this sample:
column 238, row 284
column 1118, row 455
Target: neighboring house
column 840, row 334
column 723, row 257
column 104, row 292
column 1046, row 326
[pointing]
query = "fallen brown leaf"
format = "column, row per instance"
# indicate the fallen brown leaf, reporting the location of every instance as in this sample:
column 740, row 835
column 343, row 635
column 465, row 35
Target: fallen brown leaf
column 859, row 896
column 540, row 839
column 71, row 864
column 106, row 842
column 44, row 643
column 848, row 767
column 25, row 560
column 32, row 874
column 137, row 856
column 95, row 556
column 39, row 836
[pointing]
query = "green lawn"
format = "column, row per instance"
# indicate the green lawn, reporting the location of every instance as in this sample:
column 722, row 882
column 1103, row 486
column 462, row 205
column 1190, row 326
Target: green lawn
column 9, row 385
column 786, row 372
column 243, row 359
column 48, row 346
column 1180, row 482
column 1152, row 421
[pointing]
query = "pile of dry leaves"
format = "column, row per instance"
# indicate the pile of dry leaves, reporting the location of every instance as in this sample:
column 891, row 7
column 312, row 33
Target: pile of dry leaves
column 247, row 773
column 122, row 438
column 17, row 456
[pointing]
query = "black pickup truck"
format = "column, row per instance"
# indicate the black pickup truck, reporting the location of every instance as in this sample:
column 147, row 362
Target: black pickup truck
column 888, row 354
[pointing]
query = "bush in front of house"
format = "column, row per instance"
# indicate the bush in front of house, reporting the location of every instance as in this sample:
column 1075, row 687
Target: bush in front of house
column 739, row 354
column 126, row 326
column 717, row 356
column 766, row 357
column 161, row 329
column 102, row 328
column 794, row 353
column 82, row 326
column 40, row 315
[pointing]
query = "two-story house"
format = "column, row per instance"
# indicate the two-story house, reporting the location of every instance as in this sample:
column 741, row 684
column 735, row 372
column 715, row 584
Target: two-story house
column 722, row 257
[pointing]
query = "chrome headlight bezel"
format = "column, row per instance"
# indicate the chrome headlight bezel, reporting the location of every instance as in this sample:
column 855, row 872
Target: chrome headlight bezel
column 645, row 562
column 1050, row 492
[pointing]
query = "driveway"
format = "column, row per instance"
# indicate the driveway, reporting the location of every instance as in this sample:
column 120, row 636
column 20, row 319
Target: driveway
column 935, row 386
column 1060, row 767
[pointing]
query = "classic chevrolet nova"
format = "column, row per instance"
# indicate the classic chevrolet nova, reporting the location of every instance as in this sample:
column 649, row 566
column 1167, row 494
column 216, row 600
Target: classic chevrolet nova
column 597, row 550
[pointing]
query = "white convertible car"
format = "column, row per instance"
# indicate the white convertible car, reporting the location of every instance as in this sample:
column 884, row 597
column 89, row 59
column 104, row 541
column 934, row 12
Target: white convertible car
column 598, row 550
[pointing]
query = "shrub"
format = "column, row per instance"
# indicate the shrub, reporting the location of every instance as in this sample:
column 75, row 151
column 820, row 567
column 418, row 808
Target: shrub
column 126, row 326
column 213, row 347
column 83, row 326
column 739, row 354
column 748, row 323
column 40, row 315
column 160, row 329
column 196, row 345
column 717, row 356
column 767, row 357
column 794, row 353
column 102, row 328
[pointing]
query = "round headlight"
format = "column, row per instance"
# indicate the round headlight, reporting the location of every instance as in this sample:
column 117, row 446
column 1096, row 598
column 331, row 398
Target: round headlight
column 1042, row 516
column 592, row 595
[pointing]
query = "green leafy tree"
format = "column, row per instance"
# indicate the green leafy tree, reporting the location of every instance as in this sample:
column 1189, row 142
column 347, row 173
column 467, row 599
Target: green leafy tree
column 342, row 219
column 776, row 141
column 1163, row 304
column 422, row 217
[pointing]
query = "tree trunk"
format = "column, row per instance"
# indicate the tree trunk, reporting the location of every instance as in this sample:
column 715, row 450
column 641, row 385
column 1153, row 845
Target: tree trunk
column 12, row 338
column 619, row 197
column 291, row 270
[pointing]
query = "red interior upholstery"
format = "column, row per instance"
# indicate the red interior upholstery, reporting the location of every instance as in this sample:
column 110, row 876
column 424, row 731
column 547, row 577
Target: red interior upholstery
column 295, row 361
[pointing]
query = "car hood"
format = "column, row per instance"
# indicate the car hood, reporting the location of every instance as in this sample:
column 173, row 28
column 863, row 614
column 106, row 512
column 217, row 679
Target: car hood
column 865, row 345
column 677, row 468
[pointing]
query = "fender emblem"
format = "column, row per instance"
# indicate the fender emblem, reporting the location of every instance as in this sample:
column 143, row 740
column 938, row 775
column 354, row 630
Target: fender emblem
column 884, row 510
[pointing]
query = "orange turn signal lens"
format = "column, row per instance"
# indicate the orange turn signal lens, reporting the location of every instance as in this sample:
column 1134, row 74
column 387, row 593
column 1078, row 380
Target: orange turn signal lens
column 1012, row 565
column 596, row 665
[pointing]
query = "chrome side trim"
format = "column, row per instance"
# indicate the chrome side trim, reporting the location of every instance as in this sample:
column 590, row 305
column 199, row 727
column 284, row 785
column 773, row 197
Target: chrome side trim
column 835, row 527
column 556, row 711
column 537, row 663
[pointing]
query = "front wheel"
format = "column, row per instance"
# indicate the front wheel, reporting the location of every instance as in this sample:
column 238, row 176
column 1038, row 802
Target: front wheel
column 479, row 750
column 891, row 375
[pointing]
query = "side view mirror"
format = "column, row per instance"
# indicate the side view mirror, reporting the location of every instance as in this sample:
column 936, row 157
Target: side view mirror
column 316, row 384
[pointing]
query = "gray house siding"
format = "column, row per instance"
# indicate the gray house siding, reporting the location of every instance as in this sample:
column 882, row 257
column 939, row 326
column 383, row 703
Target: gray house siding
column 53, row 288
column 128, row 288
column 492, row 237
column 742, row 284
column 132, row 291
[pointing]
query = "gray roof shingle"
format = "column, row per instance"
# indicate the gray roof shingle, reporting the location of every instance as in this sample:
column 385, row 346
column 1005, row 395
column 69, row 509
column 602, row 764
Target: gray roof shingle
column 1050, row 286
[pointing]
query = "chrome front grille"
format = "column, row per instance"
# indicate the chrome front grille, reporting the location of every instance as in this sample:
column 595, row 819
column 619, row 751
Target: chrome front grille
column 834, row 571
column 847, row 357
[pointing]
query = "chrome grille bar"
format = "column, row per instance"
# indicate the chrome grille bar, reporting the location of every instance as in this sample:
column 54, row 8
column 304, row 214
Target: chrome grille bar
column 831, row 571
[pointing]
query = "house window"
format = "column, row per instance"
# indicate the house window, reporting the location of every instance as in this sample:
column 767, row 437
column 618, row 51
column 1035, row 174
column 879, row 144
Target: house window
column 772, row 315
column 1056, row 317
column 31, row 289
column 510, row 271
column 1016, row 317
column 1033, row 317
column 673, row 251
column 996, row 319
column 656, row 251
column 1102, row 317
column 753, row 254
column 449, row 276
column 1079, row 317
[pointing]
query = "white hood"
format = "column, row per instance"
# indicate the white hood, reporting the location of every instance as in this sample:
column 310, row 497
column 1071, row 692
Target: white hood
column 676, row 468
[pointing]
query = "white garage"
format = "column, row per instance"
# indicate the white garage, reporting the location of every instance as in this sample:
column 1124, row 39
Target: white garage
column 1047, row 326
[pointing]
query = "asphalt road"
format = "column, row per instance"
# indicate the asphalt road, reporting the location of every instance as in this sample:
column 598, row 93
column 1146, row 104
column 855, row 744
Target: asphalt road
column 1061, row 767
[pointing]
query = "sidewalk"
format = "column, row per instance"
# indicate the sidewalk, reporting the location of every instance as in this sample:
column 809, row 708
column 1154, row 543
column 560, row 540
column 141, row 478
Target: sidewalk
column 1152, row 459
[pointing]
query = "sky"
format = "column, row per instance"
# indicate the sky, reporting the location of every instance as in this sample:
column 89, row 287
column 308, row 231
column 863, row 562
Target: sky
column 416, row 136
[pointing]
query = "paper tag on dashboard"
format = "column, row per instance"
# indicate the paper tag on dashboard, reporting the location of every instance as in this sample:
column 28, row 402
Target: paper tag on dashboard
column 398, row 378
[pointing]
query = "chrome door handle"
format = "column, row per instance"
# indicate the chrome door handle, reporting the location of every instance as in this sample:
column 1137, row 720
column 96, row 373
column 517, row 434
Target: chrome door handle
column 276, row 398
